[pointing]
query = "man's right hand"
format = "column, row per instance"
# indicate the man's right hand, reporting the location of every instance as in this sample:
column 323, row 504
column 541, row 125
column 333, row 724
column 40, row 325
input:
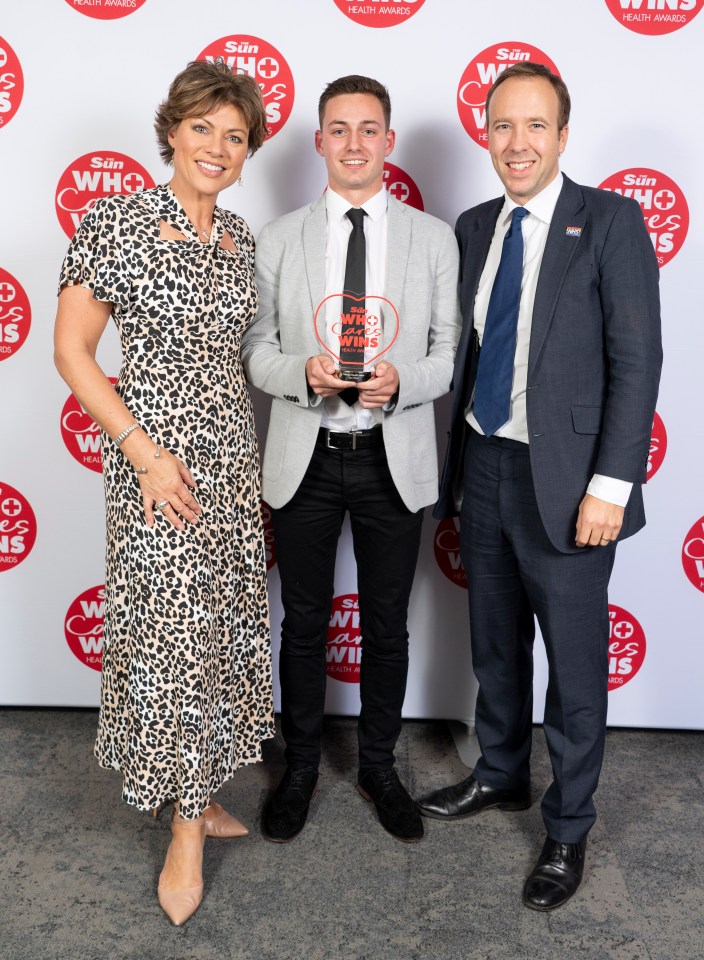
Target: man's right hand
column 320, row 374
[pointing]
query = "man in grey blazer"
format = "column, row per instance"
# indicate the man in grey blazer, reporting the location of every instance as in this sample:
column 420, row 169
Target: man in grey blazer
column 371, row 453
column 550, row 433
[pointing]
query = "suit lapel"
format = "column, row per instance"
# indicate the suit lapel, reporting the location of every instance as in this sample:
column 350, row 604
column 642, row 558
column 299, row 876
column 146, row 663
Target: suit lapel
column 475, row 243
column 398, row 245
column 560, row 247
column 315, row 253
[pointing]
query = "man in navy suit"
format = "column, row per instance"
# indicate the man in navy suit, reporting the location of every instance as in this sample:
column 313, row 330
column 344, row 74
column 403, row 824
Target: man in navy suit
column 555, row 384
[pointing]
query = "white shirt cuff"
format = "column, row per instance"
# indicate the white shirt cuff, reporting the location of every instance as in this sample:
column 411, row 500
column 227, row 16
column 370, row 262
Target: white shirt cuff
column 610, row 489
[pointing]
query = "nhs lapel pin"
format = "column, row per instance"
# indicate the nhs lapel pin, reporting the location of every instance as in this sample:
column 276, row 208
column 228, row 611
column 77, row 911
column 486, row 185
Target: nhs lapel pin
column 573, row 231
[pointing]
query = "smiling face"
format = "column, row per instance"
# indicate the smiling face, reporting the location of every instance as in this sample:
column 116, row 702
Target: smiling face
column 354, row 142
column 209, row 152
column 524, row 140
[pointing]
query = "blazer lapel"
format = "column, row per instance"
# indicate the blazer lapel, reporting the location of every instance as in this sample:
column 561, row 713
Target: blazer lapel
column 315, row 253
column 398, row 245
column 475, row 249
column 560, row 247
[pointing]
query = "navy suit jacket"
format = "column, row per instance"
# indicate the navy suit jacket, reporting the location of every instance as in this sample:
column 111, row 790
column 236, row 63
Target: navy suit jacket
column 594, row 359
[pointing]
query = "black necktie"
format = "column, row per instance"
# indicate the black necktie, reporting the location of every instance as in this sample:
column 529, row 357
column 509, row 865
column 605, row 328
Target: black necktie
column 492, row 393
column 355, row 285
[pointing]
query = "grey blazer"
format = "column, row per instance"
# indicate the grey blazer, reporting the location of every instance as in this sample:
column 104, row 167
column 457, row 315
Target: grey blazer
column 421, row 281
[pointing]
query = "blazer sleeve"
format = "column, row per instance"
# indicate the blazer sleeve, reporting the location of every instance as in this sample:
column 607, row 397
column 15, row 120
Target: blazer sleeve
column 429, row 377
column 629, row 291
column 266, row 366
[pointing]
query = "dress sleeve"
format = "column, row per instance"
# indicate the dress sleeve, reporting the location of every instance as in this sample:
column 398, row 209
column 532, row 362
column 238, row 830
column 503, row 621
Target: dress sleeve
column 94, row 258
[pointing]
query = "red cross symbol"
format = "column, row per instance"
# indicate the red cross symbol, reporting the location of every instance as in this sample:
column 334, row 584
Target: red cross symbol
column 623, row 630
column 664, row 199
column 268, row 68
column 7, row 292
column 11, row 507
column 399, row 190
column 132, row 182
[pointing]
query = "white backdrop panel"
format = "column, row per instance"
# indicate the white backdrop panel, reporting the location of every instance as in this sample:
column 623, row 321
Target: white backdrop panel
column 91, row 86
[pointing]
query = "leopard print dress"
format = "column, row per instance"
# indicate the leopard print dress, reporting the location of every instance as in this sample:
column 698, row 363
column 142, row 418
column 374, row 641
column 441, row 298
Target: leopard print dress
column 186, row 693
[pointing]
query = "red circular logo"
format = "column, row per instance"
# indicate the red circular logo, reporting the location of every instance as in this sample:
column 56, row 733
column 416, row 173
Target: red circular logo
column 18, row 527
column 92, row 176
column 400, row 185
column 15, row 315
column 654, row 16
column 447, row 551
column 658, row 447
column 11, row 83
column 626, row 647
column 269, row 542
column 83, row 627
column 106, row 9
column 344, row 653
column 480, row 74
column 664, row 207
column 245, row 54
column 81, row 434
column 380, row 13
column 693, row 555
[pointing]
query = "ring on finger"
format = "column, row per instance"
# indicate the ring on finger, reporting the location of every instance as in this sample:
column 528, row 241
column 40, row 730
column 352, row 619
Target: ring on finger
column 161, row 504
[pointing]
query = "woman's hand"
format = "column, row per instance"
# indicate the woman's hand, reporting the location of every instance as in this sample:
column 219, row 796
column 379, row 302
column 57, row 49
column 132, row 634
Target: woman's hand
column 167, row 479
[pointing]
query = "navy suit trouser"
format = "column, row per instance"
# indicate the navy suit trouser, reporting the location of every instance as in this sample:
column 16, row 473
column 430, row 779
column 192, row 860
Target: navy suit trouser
column 515, row 575
column 386, row 539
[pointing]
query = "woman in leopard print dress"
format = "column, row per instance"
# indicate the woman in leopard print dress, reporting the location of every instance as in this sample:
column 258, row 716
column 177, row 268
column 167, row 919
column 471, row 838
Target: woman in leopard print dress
column 186, row 689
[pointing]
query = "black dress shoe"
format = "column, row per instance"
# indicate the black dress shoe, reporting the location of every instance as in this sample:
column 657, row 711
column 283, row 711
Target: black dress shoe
column 556, row 875
column 397, row 811
column 469, row 797
column 287, row 809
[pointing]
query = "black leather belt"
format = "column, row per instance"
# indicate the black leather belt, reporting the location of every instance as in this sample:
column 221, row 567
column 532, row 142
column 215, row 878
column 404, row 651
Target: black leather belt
column 354, row 440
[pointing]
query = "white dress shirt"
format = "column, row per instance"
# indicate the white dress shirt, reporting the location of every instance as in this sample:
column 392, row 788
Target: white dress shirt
column 535, row 233
column 337, row 415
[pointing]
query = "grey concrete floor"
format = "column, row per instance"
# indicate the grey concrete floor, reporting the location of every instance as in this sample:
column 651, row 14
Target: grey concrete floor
column 79, row 868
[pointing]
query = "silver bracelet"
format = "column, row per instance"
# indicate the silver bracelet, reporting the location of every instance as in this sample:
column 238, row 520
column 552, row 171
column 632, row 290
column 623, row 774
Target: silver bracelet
column 124, row 434
column 157, row 456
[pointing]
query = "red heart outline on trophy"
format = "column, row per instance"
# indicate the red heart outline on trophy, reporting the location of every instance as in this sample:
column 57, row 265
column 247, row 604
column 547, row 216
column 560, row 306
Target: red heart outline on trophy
column 374, row 327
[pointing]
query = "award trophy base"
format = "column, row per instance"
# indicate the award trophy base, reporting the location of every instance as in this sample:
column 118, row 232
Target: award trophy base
column 354, row 376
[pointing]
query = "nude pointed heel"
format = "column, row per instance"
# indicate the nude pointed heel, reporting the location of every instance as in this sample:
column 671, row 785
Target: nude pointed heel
column 180, row 904
column 221, row 824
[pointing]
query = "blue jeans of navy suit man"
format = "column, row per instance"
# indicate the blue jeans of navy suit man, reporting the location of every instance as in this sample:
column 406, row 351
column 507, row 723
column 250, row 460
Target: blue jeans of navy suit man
column 593, row 373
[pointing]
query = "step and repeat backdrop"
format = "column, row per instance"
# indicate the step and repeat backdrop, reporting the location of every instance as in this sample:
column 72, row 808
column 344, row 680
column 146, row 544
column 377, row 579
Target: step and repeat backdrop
column 79, row 82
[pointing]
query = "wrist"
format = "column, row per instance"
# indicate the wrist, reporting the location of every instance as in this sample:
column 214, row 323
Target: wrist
column 124, row 434
column 138, row 448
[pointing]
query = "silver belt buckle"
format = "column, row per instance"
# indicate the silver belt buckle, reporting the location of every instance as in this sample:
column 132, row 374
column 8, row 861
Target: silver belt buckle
column 354, row 434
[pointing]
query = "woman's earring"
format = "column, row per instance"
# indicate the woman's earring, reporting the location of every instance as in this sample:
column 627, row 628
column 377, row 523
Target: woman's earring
column 239, row 181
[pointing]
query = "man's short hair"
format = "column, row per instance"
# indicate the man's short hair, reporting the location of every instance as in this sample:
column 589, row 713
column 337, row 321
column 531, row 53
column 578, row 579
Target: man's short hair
column 524, row 70
column 356, row 84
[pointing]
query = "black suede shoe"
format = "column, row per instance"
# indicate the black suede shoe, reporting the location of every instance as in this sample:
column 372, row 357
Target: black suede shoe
column 397, row 811
column 556, row 876
column 469, row 797
column 287, row 809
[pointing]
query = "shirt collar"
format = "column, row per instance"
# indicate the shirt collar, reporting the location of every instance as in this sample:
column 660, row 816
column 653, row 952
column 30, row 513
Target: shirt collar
column 541, row 206
column 337, row 206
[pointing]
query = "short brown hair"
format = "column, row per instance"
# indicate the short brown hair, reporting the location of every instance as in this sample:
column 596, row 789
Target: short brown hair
column 524, row 70
column 356, row 84
column 204, row 86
